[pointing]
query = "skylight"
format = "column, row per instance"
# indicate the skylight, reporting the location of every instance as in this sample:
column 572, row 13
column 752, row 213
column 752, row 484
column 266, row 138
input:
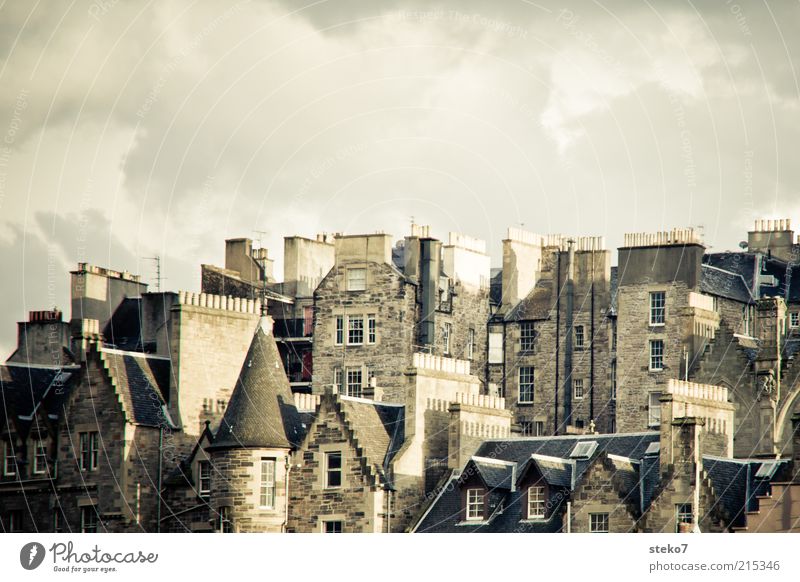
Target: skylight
column 583, row 450
column 767, row 470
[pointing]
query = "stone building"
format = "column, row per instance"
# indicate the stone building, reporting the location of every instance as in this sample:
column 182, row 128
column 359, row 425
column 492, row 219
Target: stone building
column 551, row 340
column 679, row 479
column 379, row 305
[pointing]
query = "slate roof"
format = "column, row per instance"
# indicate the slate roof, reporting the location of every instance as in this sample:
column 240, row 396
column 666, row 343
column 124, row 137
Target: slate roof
column 378, row 428
column 716, row 281
column 552, row 456
column 124, row 330
column 261, row 412
column 142, row 384
column 495, row 474
column 26, row 389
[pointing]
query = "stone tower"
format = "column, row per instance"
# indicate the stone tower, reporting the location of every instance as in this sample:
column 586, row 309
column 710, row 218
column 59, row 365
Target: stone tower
column 251, row 454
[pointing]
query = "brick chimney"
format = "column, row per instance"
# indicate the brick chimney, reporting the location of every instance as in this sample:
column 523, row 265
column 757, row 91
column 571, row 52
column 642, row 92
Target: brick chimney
column 682, row 445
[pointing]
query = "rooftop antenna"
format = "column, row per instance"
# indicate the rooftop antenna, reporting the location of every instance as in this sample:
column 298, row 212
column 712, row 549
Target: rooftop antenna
column 260, row 234
column 159, row 278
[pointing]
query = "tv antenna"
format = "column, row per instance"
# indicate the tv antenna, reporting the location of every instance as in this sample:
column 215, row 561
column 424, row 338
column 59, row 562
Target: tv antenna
column 159, row 278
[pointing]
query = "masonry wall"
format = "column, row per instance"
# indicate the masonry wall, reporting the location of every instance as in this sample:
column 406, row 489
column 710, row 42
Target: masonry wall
column 357, row 503
column 599, row 492
column 392, row 300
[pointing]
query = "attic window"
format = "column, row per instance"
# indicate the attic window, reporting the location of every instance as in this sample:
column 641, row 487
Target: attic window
column 583, row 450
column 767, row 470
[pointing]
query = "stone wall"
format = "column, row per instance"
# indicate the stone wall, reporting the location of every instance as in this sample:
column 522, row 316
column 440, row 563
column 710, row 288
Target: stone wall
column 599, row 492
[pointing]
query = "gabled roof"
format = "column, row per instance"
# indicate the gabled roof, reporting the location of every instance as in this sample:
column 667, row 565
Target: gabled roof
column 716, row 281
column 495, row 474
column 142, row 385
column 555, row 471
column 28, row 389
column 261, row 412
column 378, row 431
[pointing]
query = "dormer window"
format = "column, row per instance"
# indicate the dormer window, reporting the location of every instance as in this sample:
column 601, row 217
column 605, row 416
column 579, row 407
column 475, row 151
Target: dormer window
column 475, row 504
column 536, row 502
column 356, row 279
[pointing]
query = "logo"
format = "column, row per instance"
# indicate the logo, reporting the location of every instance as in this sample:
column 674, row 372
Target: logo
column 31, row 555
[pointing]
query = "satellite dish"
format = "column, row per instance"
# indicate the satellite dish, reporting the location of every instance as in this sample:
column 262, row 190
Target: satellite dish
column 743, row 245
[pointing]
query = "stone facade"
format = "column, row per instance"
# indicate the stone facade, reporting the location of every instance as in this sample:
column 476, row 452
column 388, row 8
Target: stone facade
column 601, row 491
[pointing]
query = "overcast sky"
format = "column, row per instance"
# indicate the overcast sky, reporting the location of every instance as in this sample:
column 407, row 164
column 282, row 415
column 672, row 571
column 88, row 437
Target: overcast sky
column 131, row 129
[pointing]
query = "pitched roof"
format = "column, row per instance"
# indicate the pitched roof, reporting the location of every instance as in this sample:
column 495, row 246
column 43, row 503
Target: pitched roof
column 142, row 385
column 557, row 472
column 261, row 412
column 26, row 389
column 495, row 474
column 716, row 281
column 378, row 430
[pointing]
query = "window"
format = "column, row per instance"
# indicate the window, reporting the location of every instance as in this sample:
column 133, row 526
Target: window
column 225, row 524
column 9, row 460
column 354, row 382
column 536, row 502
column 527, row 336
column 613, row 380
column 333, row 469
column 598, row 522
column 448, row 330
column 474, row 504
column 88, row 519
column 794, row 319
column 654, row 409
column 658, row 302
column 355, row 329
column 220, row 405
column 356, row 279
column 13, row 521
column 267, row 489
column 40, row 457
column 579, row 339
column 526, row 385
column 656, row 355
column 204, row 478
column 539, row 428
column 331, row 527
column 372, row 327
column 683, row 514
column 470, row 344
column 495, row 347
column 89, row 443
column 58, row 521
column 339, row 338
column 577, row 388
column 526, row 427
column 308, row 320
column 338, row 380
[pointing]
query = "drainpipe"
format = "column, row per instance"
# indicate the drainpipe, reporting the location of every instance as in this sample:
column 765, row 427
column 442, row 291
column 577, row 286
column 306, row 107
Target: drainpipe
column 591, row 347
column 558, row 338
column 570, row 324
column 388, row 509
column 569, row 516
column 159, row 480
column 286, row 493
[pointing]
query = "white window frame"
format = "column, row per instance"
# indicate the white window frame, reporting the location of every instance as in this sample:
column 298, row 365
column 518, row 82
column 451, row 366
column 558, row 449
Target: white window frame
column 471, row 343
column 683, row 514
column 204, row 478
column 357, row 279
column 355, row 326
column 225, row 523
column 338, row 380
column 580, row 336
column 266, row 488
column 658, row 312
column 526, row 427
column 536, row 502
column 372, row 329
column 538, row 427
column 89, row 450
column 9, row 460
column 577, row 388
column 598, row 522
column 353, row 388
column 523, row 371
column 794, row 319
column 446, row 336
column 614, row 380
column 653, row 409
column 475, row 504
column 335, row 470
column 39, row 457
column 527, row 336
column 338, row 333
column 656, row 356
column 331, row 522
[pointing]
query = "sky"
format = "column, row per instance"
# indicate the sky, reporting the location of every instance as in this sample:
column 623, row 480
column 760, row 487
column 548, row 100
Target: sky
column 135, row 129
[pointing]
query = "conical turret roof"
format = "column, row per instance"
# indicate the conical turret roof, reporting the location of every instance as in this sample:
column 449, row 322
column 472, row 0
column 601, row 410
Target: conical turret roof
column 261, row 412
